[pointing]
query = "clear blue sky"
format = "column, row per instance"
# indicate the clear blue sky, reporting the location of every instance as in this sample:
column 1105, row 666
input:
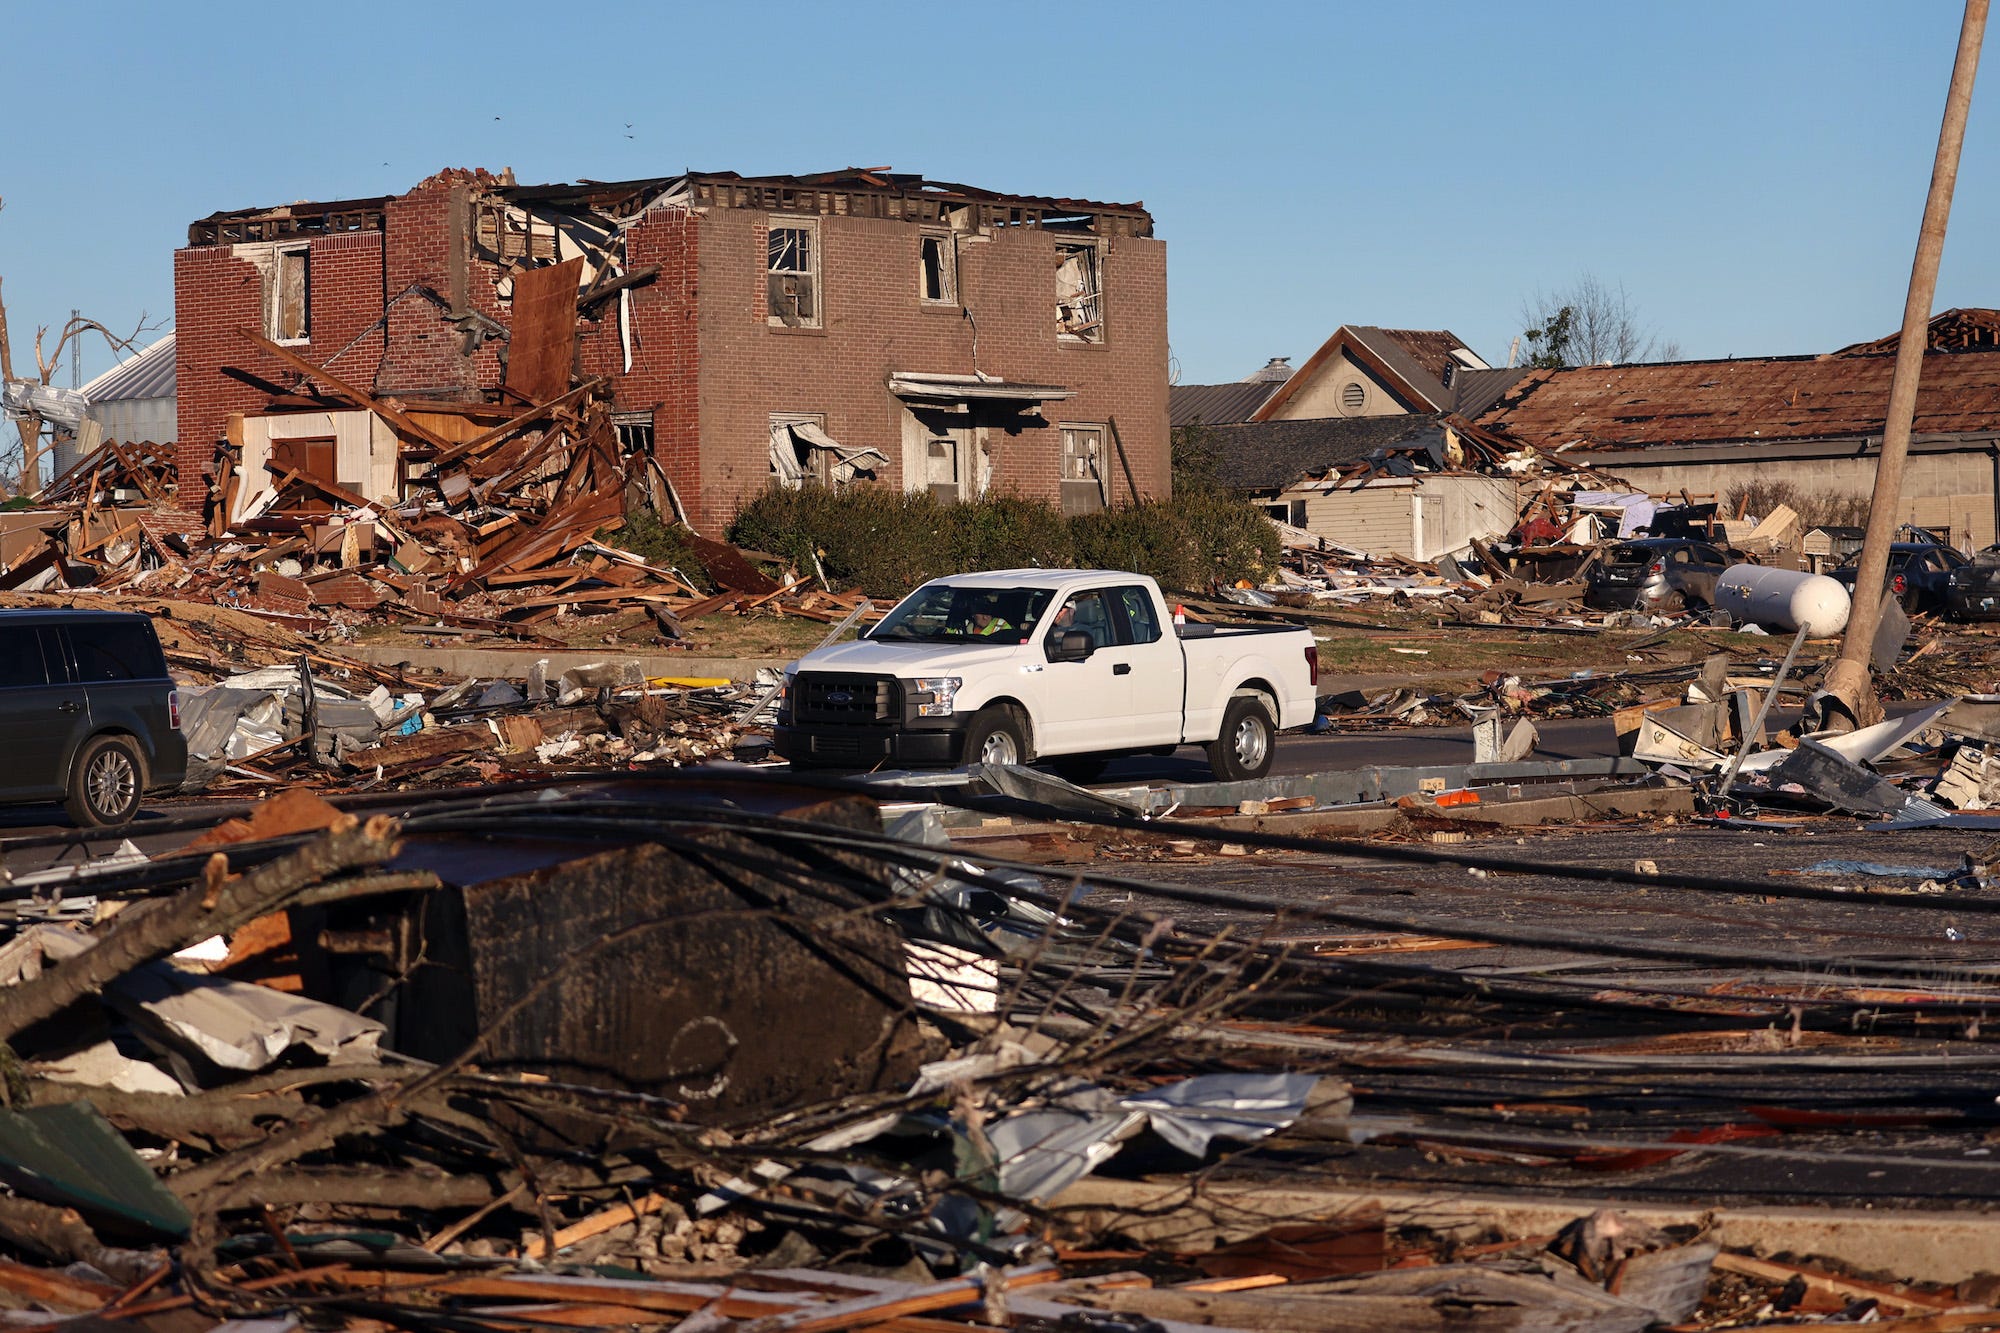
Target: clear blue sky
column 1753, row 174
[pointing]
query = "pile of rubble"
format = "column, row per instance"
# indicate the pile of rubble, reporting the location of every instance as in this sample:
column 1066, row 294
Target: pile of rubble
column 500, row 536
column 257, row 712
column 288, row 724
column 740, row 1053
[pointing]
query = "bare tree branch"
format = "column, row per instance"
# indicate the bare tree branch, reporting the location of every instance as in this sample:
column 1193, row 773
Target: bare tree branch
column 29, row 422
column 1590, row 322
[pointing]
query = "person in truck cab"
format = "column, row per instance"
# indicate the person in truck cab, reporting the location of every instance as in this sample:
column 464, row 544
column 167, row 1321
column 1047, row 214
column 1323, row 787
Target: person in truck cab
column 986, row 623
column 1084, row 612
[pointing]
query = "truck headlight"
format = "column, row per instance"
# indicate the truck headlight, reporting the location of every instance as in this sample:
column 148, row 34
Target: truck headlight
column 934, row 695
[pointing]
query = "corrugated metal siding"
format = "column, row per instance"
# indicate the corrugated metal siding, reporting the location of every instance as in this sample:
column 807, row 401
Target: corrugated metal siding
column 151, row 374
column 132, row 420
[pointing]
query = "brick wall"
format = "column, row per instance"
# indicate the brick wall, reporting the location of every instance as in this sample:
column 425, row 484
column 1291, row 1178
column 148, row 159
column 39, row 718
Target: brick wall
column 873, row 323
column 706, row 362
column 216, row 294
column 429, row 243
column 663, row 347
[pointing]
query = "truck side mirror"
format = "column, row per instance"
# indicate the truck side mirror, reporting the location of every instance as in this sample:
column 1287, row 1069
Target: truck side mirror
column 1071, row 646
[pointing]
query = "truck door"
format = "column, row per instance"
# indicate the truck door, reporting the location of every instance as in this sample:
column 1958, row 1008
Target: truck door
column 1157, row 670
column 1087, row 705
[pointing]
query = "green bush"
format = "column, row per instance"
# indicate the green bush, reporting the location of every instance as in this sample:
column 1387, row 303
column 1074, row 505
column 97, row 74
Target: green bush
column 885, row 543
column 1007, row 532
column 867, row 536
column 658, row 543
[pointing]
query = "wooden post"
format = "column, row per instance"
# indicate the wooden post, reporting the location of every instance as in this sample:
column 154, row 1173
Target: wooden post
column 1123, row 461
column 1847, row 680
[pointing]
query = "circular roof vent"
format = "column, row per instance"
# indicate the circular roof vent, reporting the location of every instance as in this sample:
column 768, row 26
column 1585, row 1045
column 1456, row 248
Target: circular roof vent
column 1353, row 397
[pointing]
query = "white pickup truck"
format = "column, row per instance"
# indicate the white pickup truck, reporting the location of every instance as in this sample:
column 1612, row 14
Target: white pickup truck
column 1072, row 666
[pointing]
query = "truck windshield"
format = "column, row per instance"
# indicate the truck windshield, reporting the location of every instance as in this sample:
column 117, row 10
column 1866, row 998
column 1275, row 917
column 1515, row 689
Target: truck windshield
column 942, row 613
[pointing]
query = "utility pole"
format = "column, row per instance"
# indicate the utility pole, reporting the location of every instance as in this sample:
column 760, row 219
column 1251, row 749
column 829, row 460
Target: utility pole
column 1848, row 680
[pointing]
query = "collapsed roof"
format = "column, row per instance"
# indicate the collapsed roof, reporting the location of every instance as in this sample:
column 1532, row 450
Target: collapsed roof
column 1972, row 329
column 863, row 191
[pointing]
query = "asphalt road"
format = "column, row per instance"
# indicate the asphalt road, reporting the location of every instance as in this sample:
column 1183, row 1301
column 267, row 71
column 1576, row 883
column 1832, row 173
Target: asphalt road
column 1561, row 738
column 33, row 837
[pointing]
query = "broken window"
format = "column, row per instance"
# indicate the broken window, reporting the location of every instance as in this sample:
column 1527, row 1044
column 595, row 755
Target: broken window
column 941, row 468
column 792, row 274
column 956, row 466
column 1084, row 488
column 802, row 451
column 635, row 432
column 937, row 257
column 1079, row 291
column 291, row 297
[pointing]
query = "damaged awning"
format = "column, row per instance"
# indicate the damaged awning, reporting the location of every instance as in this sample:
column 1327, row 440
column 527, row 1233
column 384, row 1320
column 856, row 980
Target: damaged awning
column 794, row 446
column 968, row 388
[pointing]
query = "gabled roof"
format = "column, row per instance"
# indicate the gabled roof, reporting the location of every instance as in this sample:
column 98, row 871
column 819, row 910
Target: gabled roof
column 1770, row 398
column 150, row 374
column 1216, row 404
column 1412, row 363
column 1271, row 455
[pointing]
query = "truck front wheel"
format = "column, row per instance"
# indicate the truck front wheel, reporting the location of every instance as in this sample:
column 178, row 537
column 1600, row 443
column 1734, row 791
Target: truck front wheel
column 997, row 736
column 1243, row 749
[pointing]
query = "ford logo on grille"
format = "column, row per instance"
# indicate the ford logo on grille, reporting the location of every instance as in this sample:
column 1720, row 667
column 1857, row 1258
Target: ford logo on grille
column 840, row 696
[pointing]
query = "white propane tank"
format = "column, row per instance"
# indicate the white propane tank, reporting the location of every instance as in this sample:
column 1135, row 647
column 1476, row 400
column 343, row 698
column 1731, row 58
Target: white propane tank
column 1788, row 599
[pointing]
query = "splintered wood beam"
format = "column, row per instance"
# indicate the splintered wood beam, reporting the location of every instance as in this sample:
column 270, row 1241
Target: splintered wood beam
column 360, row 398
column 283, row 477
column 452, row 453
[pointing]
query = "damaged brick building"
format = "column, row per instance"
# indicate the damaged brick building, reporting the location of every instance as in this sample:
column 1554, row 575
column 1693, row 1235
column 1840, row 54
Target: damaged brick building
column 853, row 325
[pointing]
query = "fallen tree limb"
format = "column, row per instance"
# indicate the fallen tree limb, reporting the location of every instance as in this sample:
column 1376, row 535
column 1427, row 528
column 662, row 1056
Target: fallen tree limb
column 215, row 906
column 216, row 1120
column 44, row 1229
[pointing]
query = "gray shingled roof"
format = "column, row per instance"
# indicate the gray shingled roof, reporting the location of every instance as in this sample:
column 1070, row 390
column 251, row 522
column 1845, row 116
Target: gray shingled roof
column 1271, row 455
column 1217, row 404
column 1473, row 391
column 147, row 375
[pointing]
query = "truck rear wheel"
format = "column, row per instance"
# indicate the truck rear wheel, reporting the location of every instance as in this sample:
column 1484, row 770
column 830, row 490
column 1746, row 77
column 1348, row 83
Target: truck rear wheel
column 1243, row 749
column 996, row 736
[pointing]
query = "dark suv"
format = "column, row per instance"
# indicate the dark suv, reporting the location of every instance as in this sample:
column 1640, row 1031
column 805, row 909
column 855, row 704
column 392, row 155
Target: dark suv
column 88, row 714
column 1919, row 573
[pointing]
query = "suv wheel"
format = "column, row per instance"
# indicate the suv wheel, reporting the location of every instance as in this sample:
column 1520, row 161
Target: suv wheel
column 106, row 783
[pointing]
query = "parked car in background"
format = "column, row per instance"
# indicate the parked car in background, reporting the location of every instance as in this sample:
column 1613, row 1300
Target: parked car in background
column 1919, row 574
column 88, row 714
column 1658, row 574
column 1972, row 591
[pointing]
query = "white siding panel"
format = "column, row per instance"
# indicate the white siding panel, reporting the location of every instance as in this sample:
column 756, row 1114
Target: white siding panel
column 1456, row 509
column 1375, row 518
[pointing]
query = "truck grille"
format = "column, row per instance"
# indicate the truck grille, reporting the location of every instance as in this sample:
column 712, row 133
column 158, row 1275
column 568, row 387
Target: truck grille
column 824, row 697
